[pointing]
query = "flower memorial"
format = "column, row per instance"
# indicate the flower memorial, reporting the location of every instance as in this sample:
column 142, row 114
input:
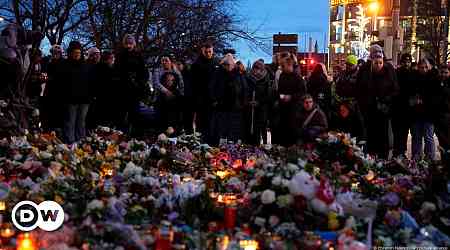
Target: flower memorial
column 177, row 193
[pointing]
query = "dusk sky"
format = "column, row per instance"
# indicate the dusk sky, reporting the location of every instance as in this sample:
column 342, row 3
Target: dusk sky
column 304, row 17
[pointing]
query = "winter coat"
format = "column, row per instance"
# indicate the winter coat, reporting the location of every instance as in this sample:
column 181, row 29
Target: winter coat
column 346, row 84
column 320, row 89
column 352, row 124
column 423, row 97
column 264, row 96
column 318, row 123
column 401, row 102
column 73, row 78
column 202, row 74
column 284, row 116
column 228, row 90
column 376, row 90
column 133, row 75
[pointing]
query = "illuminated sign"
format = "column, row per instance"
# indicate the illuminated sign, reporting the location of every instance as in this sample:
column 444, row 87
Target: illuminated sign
column 341, row 2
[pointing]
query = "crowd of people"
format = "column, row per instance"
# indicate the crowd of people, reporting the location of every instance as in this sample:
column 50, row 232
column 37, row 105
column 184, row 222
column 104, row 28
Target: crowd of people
column 372, row 100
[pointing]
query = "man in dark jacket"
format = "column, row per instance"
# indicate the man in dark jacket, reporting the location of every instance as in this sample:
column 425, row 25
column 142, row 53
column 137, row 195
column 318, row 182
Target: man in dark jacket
column 311, row 120
column 377, row 87
column 401, row 120
column 73, row 76
column 422, row 104
column 134, row 76
column 443, row 120
column 202, row 72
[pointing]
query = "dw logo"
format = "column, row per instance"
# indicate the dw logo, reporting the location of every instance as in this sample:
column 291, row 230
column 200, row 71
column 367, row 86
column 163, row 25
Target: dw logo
column 48, row 216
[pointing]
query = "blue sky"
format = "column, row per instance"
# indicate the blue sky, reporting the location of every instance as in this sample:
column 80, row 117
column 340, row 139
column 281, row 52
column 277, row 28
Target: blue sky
column 304, row 17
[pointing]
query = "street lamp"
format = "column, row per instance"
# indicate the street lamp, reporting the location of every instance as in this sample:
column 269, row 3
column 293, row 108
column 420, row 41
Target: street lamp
column 2, row 19
column 373, row 7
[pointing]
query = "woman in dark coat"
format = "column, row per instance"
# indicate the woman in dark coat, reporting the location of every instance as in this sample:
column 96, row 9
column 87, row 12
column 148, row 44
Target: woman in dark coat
column 107, row 91
column 228, row 93
column 443, row 120
column 291, row 87
column 169, row 101
column 319, row 87
column 73, row 77
column 133, row 77
column 261, row 87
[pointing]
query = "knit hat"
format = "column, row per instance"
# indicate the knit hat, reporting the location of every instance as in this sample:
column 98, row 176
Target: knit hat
column 352, row 60
column 228, row 59
column 375, row 51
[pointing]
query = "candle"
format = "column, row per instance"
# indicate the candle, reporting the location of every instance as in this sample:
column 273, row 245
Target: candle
column 230, row 217
column 7, row 231
column 26, row 242
column 222, row 174
column 248, row 244
column 2, row 206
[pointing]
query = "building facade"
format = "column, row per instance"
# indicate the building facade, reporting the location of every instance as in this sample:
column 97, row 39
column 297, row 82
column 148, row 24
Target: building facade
column 356, row 24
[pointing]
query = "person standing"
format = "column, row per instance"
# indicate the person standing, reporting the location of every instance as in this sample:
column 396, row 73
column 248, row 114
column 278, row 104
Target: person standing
column 376, row 88
column 169, row 101
column 202, row 73
column 77, row 95
column 291, row 87
column 51, row 112
column 133, row 77
column 443, row 120
column 228, row 93
column 93, row 60
column 261, row 96
column 108, row 91
column 346, row 81
column 423, row 110
column 401, row 119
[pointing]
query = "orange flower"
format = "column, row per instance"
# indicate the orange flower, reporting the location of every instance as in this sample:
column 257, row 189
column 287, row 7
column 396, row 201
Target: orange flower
column 111, row 151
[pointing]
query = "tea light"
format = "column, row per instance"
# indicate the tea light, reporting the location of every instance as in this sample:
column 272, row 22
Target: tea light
column 7, row 231
column 248, row 244
column 224, row 242
column 26, row 242
column 222, row 174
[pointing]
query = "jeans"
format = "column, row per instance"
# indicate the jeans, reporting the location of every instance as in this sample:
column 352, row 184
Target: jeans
column 75, row 122
column 423, row 130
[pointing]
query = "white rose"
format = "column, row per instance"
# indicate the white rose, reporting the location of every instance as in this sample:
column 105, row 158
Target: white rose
column 285, row 183
column 292, row 167
column 94, row 205
column 268, row 196
column 45, row 155
column 162, row 138
column 276, row 181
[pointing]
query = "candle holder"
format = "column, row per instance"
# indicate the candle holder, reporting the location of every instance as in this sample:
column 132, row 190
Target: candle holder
column 2, row 206
column 248, row 244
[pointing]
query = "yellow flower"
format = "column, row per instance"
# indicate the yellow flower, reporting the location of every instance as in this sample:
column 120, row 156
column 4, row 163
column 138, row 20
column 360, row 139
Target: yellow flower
column 58, row 199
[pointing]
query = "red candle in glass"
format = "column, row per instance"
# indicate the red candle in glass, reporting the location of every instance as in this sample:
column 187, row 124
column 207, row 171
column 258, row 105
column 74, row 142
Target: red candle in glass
column 230, row 217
